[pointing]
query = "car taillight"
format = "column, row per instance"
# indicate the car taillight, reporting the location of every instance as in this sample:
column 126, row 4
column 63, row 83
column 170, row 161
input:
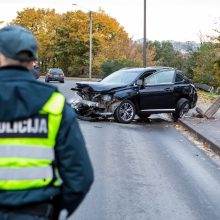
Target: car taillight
column 49, row 74
column 61, row 74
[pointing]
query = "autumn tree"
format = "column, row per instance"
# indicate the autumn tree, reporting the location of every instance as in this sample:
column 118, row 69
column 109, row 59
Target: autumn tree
column 116, row 46
column 64, row 41
column 42, row 23
column 166, row 55
column 111, row 44
column 72, row 42
column 217, row 53
column 205, row 64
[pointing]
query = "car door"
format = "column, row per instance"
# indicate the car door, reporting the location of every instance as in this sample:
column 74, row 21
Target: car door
column 182, row 86
column 157, row 93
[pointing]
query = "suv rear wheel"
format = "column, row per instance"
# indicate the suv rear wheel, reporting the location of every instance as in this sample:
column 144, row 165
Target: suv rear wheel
column 125, row 112
column 182, row 107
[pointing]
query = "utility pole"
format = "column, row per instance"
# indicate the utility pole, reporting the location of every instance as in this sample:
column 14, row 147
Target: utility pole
column 144, row 40
column 90, row 45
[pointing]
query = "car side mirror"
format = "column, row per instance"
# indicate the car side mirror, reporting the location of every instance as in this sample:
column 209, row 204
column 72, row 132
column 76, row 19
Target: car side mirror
column 139, row 82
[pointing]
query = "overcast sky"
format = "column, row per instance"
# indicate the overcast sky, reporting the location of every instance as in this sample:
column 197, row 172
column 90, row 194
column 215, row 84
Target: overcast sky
column 180, row 20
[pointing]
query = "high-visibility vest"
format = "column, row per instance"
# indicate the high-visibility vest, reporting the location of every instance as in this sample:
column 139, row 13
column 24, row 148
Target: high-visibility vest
column 27, row 155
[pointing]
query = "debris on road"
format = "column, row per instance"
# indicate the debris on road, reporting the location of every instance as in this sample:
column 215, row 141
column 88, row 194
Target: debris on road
column 210, row 111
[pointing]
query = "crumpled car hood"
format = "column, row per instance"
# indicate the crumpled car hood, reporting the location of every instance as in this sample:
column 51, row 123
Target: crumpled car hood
column 97, row 86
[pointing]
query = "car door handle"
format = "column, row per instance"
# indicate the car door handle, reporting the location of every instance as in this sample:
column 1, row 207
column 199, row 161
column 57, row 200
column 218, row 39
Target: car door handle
column 167, row 89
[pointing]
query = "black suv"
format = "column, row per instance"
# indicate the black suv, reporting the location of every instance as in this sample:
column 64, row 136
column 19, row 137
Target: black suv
column 131, row 91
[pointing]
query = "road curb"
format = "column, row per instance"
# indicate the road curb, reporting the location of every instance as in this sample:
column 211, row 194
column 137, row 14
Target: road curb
column 210, row 143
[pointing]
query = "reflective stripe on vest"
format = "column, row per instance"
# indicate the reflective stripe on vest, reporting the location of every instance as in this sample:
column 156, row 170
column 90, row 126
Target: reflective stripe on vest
column 16, row 151
column 21, row 173
column 25, row 161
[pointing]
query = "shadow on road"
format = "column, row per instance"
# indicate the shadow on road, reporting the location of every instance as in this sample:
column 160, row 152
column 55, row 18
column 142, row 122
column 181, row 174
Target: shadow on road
column 154, row 119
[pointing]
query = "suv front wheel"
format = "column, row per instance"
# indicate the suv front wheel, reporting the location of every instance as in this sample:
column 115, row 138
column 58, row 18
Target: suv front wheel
column 125, row 112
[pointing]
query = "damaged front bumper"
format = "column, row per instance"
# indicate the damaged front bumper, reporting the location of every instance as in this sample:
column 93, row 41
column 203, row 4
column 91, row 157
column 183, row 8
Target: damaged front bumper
column 102, row 109
column 86, row 103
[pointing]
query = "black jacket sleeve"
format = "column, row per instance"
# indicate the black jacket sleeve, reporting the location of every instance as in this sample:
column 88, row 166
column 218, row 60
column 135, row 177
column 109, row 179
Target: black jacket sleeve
column 73, row 161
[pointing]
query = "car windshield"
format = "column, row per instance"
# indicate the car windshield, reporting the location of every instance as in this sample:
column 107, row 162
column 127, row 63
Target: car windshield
column 124, row 77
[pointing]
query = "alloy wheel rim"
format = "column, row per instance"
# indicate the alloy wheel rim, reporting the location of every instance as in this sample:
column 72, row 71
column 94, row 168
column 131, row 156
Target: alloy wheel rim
column 126, row 111
column 184, row 110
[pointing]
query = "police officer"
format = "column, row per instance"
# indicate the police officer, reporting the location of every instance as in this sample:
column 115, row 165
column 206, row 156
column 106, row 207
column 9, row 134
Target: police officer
column 35, row 70
column 43, row 158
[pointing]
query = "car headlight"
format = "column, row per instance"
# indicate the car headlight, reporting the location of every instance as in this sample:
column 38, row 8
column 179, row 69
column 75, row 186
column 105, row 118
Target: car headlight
column 106, row 97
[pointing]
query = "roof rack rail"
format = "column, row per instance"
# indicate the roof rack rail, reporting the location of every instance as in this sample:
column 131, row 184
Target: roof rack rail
column 127, row 68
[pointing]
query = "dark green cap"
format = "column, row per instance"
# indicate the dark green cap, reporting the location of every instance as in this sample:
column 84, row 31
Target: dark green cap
column 14, row 40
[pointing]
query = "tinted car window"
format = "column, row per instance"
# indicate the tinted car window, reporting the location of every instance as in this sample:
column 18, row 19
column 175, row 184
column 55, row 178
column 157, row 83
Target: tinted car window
column 179, row 78
column 163, row 77
column 124, row 77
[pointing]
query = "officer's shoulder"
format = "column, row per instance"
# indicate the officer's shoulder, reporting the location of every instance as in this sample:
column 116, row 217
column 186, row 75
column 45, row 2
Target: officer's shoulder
column 44, row 85
column 69, row 110
column 68, row 113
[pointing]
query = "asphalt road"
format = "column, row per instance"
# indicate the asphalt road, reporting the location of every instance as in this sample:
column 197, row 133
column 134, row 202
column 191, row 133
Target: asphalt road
column 147, row 171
